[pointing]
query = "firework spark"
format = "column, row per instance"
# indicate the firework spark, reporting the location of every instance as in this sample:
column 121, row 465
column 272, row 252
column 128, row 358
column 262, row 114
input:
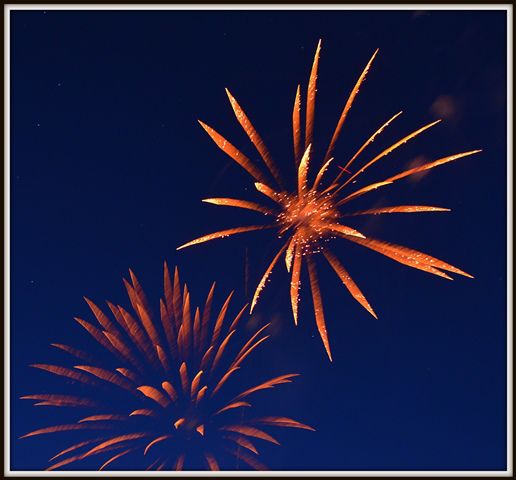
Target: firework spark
column 180, row 406
column 309, row 215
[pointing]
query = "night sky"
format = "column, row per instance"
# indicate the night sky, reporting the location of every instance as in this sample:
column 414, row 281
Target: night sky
column 109, row 166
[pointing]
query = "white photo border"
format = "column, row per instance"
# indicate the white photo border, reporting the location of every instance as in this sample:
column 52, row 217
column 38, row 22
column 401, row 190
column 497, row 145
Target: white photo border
column 372, row 7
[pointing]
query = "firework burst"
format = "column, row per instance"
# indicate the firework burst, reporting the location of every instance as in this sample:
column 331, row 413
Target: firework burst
column 169, row 397
column 309, row 215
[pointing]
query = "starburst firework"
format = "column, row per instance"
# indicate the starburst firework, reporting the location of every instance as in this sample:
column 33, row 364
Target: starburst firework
column 309, row 215
column 179, row 403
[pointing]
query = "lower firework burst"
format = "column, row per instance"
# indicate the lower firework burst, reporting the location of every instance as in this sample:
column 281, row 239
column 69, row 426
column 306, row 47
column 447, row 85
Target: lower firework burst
column 169, row 399
column 310, row 212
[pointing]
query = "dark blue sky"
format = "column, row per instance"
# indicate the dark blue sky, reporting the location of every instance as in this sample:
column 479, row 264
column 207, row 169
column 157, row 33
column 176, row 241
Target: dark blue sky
column 109, row 165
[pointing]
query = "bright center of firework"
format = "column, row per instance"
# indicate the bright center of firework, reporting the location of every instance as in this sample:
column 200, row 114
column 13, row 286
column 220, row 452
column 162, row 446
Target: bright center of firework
column 308, row 215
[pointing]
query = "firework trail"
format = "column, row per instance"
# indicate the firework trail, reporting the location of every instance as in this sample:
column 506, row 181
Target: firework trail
column 178, row 384
column 310, row 214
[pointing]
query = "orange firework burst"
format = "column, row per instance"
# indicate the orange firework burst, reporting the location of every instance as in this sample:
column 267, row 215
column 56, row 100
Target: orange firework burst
column 311, row 214
column 178, row 406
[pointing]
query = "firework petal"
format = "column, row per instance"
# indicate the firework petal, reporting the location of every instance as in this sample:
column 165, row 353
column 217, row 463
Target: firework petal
column 66, row 372
column 345, row 230
column 62, row 400
column 116, row 440
column 115, row 457
column 221, row 349
column 348, row 281
column 67, row 428
column 282, row 422
column 370, row 140
column 399, row 255
column 76, row 446
column 268, row 384
column 348, row 106
column 73, row 351
column 399, row 209
column 362, row 191
column 302, row 173
column 224, row 233
column 318, row 308
column 224, row 379
column 154, row 394
column 254, row 137
column 234, row 153
column 320, row 174
column 212, row 463
column 99, row 315
column 238, row 317
column 296, row 282
column 417, row 256
column 263, row 281
column 155, row 441
column 390, row 149
column 428, row 166
column 310, row 98
column 250, row 432
column 206, row 315
column 269, row 192
column 233, row 202
column 103, row 418
column 107, row 376
column 296, row 126
column 243, row 442
column 248, row 344
column 233, row 405
column 220, row 319
column 97, row 335
column 249, row 350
